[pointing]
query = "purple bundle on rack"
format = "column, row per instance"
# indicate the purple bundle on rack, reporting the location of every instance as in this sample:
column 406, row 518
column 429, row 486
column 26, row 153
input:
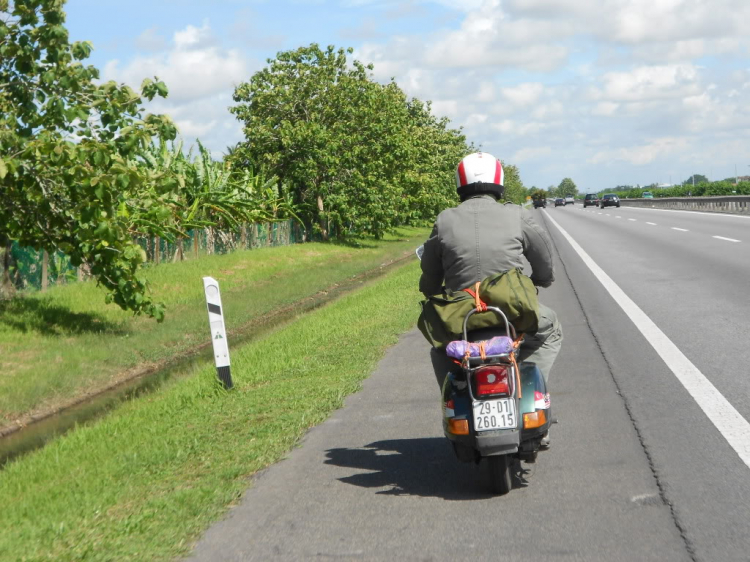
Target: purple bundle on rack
column 495, row 346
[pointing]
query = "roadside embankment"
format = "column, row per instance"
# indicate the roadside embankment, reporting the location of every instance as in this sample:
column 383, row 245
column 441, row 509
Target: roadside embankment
column 146, row 480
column 64, row 346
column 730, row 204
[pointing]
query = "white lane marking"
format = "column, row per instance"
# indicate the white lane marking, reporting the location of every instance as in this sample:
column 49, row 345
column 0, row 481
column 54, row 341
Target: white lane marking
column 618, row 217
column 651, row 223
column 727, row 239
column 634, row 220
column 729, row 422
column 647, row 499
column 680, row 229
column 725, row 215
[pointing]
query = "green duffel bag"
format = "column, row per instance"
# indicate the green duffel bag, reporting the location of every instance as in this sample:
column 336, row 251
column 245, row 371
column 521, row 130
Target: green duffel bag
column 442, row 317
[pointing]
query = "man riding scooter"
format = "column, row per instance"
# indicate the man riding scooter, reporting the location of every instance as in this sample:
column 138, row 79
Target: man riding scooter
column 482, row 237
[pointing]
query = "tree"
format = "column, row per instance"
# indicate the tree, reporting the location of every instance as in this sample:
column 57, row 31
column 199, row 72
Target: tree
column 70, row 177
column 567, row 188
column 358, row 156
column 515, row 192
column 434, row 153
column 695, row 179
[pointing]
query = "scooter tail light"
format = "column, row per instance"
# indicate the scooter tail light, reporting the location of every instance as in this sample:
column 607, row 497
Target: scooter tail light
column 534, row 419
column 492, row 380
column 458, row 427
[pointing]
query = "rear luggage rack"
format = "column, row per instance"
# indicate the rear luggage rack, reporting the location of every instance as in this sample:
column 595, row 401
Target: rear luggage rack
column 471, row 364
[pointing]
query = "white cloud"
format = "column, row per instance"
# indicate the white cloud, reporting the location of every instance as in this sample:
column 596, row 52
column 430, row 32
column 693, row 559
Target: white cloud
column 194, row 68
column 531, row 153
column 368, row 29
column 485, row 42
column 646, row 83
column 201, row 77
column 575, row 86
column 476, row 119
column 641, row 154
column 486, row 92
column 636, row 21
column 524, row 94
column 554, row 109
column 519, row 128
column 583, row 88
column 605, row 108
column 194, row 38
column 462, row 5
column 449, row 108
column 150, row 41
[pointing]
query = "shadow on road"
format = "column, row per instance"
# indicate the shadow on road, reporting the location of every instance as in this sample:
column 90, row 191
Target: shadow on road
column 417, row 467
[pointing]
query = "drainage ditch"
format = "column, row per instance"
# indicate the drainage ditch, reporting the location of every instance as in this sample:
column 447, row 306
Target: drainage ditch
column 21, row 439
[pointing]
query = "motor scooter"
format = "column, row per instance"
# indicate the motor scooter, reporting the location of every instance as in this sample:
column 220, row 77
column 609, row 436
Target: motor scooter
column 495, row 410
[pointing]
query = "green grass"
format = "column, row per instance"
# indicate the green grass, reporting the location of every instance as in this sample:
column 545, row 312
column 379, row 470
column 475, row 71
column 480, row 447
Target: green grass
column 60, row 344
column 144, row 482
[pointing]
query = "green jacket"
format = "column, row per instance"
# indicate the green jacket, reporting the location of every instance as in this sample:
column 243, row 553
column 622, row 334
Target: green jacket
column 481, row 237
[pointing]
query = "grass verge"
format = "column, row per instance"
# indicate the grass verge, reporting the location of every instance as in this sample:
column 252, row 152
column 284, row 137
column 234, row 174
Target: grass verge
column 60, row 345
column 144, row 482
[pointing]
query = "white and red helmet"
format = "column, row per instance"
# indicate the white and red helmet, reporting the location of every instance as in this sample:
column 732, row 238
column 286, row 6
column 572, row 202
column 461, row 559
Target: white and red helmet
column 479, row 173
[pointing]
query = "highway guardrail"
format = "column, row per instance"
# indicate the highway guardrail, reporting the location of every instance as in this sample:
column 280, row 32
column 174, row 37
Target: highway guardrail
column 731, row 204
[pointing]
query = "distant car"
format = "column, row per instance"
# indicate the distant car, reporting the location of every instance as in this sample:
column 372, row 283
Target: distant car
column 647, row 195
column 570, row 201
column 540, row 203
column 559, row 201
column 610, row 200
column 591, row 199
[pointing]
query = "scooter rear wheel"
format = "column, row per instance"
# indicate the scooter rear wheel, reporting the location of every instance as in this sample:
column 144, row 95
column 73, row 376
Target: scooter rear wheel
column 499, row 466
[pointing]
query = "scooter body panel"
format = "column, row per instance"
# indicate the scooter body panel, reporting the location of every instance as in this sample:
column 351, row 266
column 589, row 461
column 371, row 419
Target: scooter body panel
column 535, row 397
column 497, row 442
column 486, row 443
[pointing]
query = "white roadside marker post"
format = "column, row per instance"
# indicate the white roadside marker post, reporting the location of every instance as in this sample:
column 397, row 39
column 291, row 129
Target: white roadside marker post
column 218, row 332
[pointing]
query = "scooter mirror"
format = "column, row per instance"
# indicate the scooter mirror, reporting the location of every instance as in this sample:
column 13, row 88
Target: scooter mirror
column 420, row 251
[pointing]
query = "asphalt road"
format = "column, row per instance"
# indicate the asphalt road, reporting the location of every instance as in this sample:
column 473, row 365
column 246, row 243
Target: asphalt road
column 637, row 470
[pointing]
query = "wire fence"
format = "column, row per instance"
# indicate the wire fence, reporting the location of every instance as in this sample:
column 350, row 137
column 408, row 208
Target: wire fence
column 35, row 269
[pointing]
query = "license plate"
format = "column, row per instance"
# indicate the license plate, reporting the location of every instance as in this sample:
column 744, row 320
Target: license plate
column 495, row 414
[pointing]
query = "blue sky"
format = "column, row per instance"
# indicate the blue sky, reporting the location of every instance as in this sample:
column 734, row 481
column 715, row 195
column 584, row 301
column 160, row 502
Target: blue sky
column 607, row 92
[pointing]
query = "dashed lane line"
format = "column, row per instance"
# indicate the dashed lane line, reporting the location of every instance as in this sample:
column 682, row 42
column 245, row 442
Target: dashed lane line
column 673, row 228
column 730, row 423
column 727, row 239
column 724, row 215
